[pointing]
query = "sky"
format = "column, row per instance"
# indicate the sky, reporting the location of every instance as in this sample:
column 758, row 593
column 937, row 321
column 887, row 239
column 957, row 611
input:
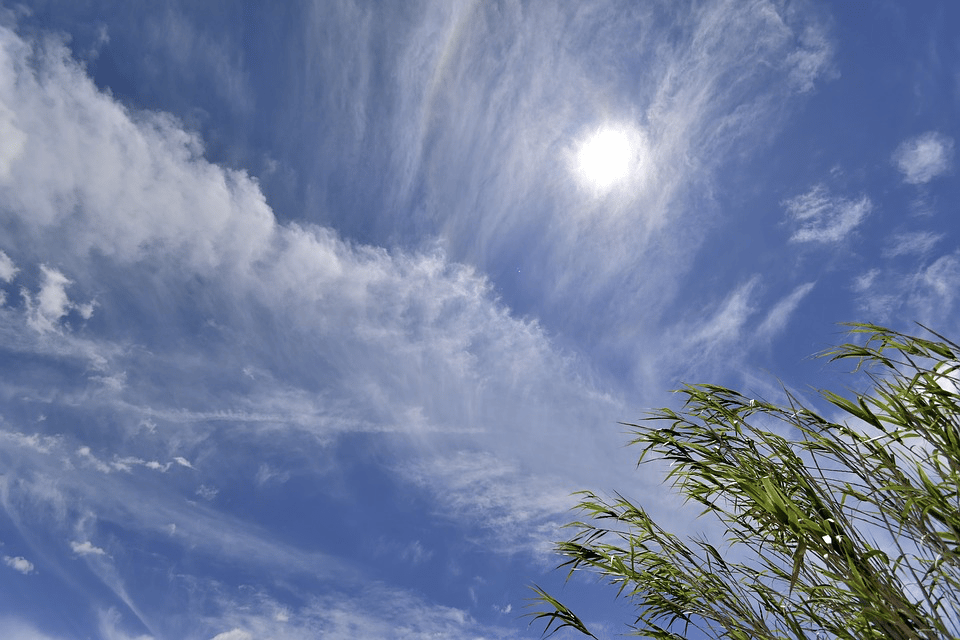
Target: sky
column 314, row 314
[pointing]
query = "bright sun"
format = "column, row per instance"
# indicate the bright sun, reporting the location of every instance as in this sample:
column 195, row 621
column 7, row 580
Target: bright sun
column 604, row 158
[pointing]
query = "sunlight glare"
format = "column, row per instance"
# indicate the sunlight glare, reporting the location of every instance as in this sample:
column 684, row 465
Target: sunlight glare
column 604, row 158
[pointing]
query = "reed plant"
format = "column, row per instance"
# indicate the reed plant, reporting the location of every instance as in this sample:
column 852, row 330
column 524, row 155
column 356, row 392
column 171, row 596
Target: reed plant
column 842, row 522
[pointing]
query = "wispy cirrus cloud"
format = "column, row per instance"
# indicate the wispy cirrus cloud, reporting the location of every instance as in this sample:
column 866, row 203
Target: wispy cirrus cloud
column 374, row 612
column 925, row 291
column 823, row 217
column 778, row 317
column 11, row 627
column 912, row 243
column 485, row 138
column 924, row 157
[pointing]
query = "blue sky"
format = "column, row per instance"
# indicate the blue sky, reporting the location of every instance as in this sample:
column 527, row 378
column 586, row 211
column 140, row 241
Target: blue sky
column 315, row 313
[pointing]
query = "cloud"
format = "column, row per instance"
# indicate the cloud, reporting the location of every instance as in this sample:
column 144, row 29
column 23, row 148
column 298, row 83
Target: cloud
column 195, row 55
column 51, row 302
column 7, row 268
column 87, row 457
column 111, row 627
column 268, row 475
column 86, row 548
column 483, row 138
column 777, row 318
column 812, row 61
column 415, row 553
column 374, row 612
column 19, row 563
column 12, row 628
column 820, row 216
column 942, row 280
column 912, row 243
column 155, row 176
column 35, row 441
column 726, row 330
column 206, row 492
column 12, row 141
column 924, row 157
column 925, row 292
column 235, row 634
column 727, row 323
column 520, row 512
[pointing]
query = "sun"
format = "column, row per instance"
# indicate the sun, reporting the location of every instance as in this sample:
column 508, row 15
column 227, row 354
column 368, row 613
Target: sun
column 604, row 158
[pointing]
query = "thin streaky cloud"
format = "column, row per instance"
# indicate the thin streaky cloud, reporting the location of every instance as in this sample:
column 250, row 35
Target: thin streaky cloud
column 822, row 217
column 501, row 138
column 912, row 243
column 778, row 317
column 727, row 324
column 12, row 627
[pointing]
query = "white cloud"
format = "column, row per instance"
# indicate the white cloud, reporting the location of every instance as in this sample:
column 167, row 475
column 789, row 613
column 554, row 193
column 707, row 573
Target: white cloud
column 111, row 627
column 483, row 120
column 519, row 511
column 926, row 293
column 912, row 243
column 942, row 278
column 726, row 325
column 863, row 282
column 19, row 563
column 415, row 553
column 20, row 630
column 376, row 612
column 726, row 331
column 12, row 140
column 7, row 268
column 194, row 54
column 86, row 548
column 924, row 157
column 777, row 318
column 207, row 492
column 89, row 459
column 35, row 441
column 86, row 168
column 183, row 462
column 820, row 216
column 235, row 634
column 268, row 475
column 51, row 302
column 812, row 61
